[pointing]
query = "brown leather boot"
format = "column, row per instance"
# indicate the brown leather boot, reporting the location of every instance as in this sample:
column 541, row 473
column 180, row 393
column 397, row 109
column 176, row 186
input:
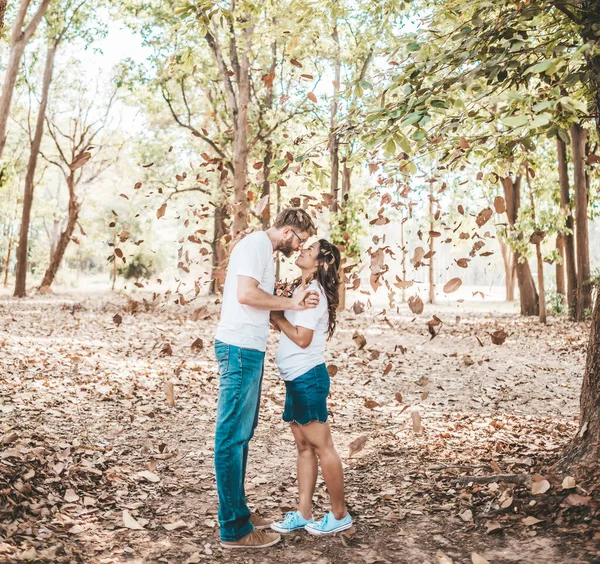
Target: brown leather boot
column 255, row 539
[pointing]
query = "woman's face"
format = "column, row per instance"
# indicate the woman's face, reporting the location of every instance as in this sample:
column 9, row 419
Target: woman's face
column 307, row 259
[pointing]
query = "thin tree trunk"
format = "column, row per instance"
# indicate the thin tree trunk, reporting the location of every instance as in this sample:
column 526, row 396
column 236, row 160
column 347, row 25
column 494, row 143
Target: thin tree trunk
column 404, row 252
column 114, row 264
column 18, row 41
column 560, row 266
column 431, row 249
column 346, row 183
column 265, row 217
column 7, row 262
column 584, row 289
column 22, row 252
column 509, row 269
column 65, row 236
column 2, row 12
column 218, row 250
column 334, row 146
column 346, row 187
column 538, row 253
column 568, row 237
column 528, row 296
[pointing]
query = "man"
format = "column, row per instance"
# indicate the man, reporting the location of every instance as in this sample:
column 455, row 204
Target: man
column 240, row 344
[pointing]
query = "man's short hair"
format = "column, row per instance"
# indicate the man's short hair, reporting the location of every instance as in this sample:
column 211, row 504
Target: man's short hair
column 297, row 219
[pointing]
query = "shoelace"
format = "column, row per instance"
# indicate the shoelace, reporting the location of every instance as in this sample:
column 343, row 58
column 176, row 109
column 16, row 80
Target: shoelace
column 324, row 521
column 289, row 517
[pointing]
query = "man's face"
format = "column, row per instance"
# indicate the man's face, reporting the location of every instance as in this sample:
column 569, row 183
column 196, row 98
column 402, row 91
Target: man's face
column 291, row 241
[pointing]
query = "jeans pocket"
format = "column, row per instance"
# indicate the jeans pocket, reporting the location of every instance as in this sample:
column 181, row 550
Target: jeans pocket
column 222, row 355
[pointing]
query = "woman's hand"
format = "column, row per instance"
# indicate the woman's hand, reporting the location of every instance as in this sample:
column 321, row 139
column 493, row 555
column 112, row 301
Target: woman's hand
column 274, row 317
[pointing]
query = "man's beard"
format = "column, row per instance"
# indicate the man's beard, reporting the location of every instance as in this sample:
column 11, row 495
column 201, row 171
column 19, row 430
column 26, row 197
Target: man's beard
column 285, row 248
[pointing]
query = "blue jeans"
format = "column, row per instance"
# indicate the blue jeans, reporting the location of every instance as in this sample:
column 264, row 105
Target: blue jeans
column 241, row 372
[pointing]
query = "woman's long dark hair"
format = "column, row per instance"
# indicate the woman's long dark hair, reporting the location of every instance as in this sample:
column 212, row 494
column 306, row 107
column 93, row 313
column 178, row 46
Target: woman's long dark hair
column 328, row 277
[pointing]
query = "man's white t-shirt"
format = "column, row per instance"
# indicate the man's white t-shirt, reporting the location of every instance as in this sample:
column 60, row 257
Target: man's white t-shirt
column 294, row 361
column 241, row 325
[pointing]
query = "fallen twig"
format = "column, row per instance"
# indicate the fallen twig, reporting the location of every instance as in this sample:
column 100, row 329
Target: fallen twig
column 511, row 478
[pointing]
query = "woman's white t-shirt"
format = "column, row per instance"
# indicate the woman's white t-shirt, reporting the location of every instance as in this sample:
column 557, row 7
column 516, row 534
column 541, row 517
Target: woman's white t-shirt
column 294, row 361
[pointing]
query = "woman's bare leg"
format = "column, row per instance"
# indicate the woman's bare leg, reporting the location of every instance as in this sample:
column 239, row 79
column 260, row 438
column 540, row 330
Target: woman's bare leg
column 307, row 471
column 319, row 436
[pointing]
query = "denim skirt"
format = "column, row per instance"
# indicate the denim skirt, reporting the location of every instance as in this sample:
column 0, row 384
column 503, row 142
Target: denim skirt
column 306, row 397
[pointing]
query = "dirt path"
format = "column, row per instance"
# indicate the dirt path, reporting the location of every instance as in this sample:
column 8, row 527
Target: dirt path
column 83, row 412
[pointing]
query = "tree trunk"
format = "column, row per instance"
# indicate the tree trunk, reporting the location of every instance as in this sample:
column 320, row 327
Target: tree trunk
column 7, row 262
column 584, row 449
column 334, row 145
column 65, row 237
column 568, row 238
column 527, row 293
column 346, row 187
column 560, row 266
column 265, row 217
column 18, row 41
column 218, row 250
column 404, row 252
column 509, row 269
column 584, row 289
column 22, row 252
column 538, row 254
column 431, row 249
column 114, row 264
column 2, row 12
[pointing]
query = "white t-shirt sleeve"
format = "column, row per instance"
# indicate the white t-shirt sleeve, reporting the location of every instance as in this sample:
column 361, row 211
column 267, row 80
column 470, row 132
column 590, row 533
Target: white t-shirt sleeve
column 309, row 318
column 252, row 259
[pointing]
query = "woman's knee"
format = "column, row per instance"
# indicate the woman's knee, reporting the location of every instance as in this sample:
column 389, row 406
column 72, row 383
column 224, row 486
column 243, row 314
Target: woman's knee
column 304, row 447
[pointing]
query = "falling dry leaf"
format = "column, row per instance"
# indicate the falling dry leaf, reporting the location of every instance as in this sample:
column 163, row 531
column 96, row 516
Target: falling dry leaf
column 498, row 337
column 483, row 217
column 357, row 445
column 359, row 340
column 416, row 422
column 452, row 285
column 568, row 483
column 332, row 369
column 499, row 205
column 311, row 96
column 160, row 212
column 415, row 303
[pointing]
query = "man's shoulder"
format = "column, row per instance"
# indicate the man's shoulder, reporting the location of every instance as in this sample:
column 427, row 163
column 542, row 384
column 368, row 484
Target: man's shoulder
column 257, row 240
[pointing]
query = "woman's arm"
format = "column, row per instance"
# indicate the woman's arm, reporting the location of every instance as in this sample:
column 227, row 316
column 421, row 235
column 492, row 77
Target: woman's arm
column 299, row 335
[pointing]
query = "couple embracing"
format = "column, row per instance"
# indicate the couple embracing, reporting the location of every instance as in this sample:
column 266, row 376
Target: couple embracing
column 305, row 321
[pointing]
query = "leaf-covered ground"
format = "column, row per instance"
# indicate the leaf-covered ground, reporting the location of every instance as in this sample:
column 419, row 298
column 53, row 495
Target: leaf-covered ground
column 96, row 466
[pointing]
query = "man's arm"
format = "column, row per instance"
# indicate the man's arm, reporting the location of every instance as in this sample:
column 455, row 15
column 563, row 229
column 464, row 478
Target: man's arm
column 248, row 293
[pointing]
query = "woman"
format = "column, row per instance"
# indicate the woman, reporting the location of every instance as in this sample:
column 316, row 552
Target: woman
column 301, row 363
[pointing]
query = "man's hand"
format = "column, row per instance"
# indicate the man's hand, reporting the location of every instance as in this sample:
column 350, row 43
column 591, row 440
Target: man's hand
column 305, row 299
